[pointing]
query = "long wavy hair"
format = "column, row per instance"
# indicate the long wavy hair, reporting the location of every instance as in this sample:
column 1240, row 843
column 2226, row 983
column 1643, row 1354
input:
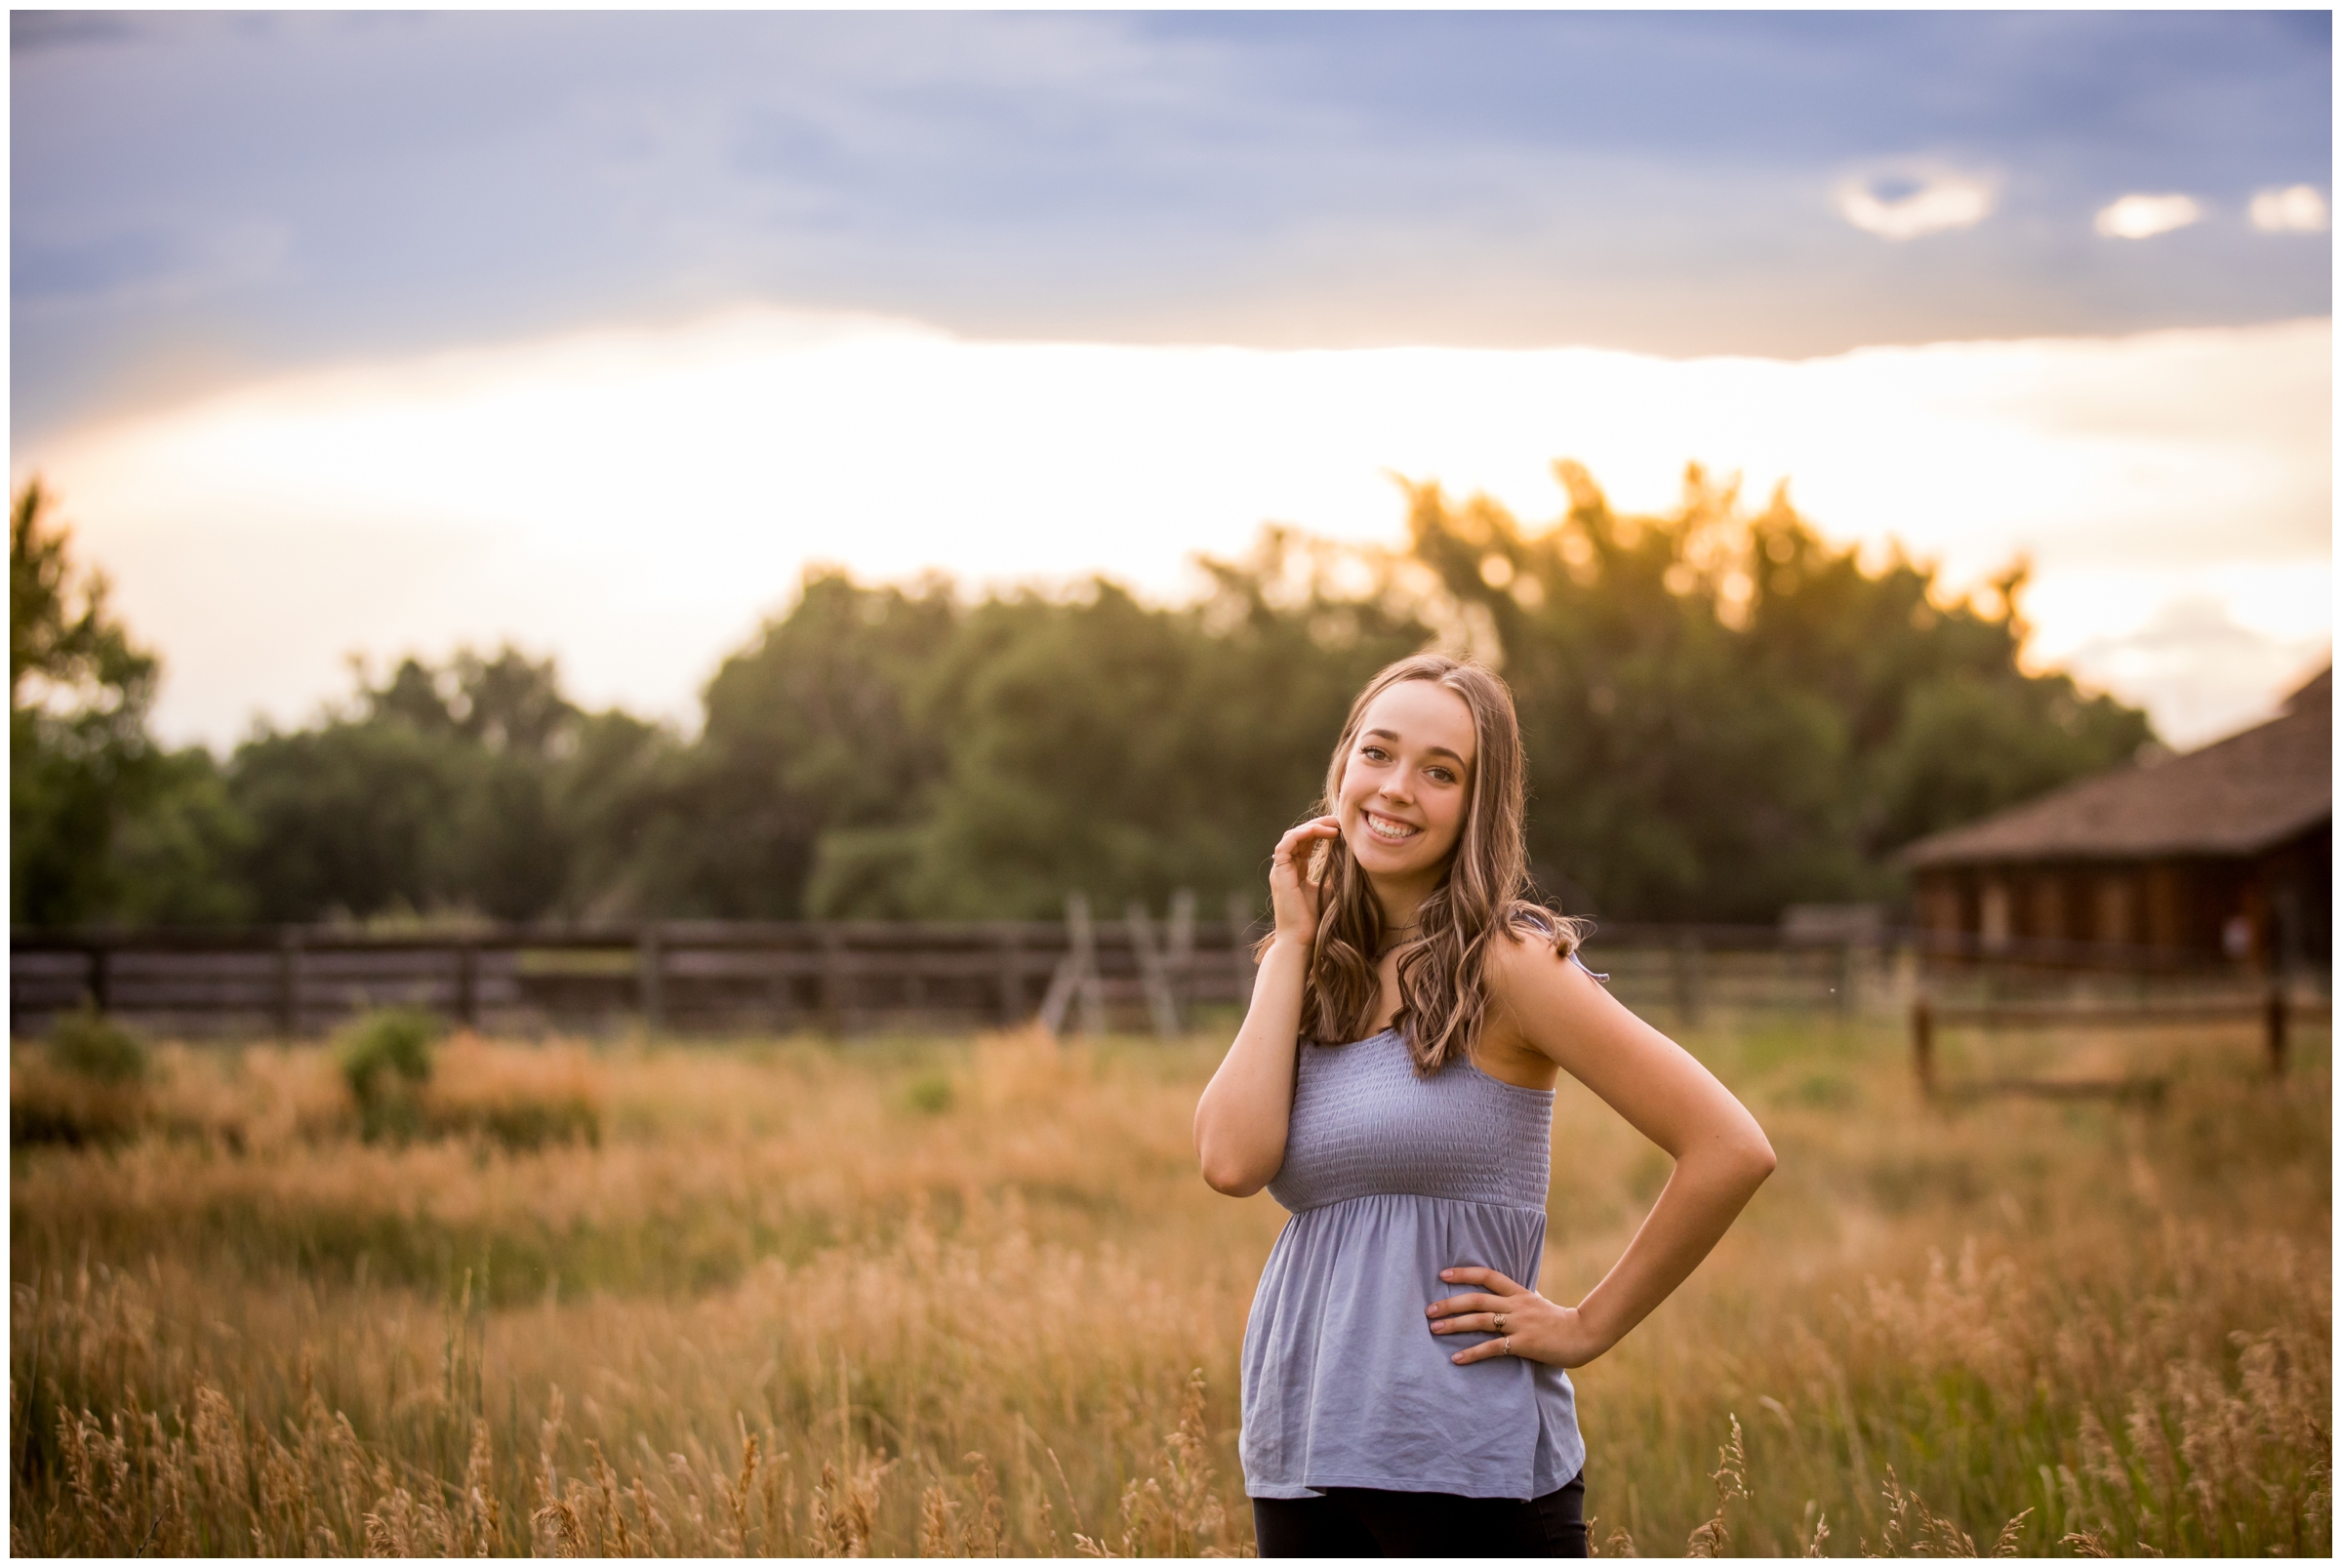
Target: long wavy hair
column 1443, row 1004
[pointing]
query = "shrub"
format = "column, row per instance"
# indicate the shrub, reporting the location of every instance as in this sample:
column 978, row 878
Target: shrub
column 89, row 1087
column 87, row 1044
column 386, row 1058
column 931, row 1094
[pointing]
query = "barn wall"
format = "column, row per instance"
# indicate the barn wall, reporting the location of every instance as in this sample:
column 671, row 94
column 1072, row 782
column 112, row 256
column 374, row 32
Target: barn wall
column 2260, row 910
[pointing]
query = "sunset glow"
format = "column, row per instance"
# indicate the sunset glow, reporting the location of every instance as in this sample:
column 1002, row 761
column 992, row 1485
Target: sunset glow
column 636, row 501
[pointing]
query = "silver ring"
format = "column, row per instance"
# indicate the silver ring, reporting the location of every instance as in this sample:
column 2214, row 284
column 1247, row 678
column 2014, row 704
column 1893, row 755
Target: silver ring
column 1507, row 1345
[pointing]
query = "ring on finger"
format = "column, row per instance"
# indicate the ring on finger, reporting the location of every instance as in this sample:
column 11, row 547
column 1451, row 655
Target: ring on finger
column 1499, row 1326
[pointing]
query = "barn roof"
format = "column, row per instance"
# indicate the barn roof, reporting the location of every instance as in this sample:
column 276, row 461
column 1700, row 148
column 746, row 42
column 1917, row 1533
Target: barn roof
column 2237, row 796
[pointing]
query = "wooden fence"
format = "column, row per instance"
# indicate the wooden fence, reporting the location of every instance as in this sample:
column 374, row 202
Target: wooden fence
column 837, row 977
column 1142, row 972
column 2275, row 1010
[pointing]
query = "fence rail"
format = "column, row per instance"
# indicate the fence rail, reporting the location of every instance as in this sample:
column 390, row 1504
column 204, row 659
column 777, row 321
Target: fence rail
column 1142, row 971
column 844, row 977
column 2275, row 1010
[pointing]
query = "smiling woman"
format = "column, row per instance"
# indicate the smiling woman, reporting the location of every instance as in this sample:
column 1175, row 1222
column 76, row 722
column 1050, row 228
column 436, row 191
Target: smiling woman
column 1393, row 1087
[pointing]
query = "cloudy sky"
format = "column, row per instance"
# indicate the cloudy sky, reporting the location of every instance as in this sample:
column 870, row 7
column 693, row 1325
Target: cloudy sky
column 365, row 333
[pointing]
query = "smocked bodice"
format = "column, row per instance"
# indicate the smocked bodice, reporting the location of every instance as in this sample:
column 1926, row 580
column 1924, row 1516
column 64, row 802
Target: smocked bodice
column 1364, row 1122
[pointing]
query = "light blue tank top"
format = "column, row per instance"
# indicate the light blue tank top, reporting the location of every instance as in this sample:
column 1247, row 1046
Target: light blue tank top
column 1392, row 1177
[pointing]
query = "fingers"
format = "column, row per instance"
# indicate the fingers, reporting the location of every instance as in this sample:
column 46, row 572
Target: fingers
column 1487, row 1350
column 1465, row 1303
column 1486, row 1278
column 1468, row 1323
column 1289, row 845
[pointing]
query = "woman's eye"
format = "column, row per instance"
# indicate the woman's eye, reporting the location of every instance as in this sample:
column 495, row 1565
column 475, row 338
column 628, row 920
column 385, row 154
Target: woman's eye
column 1374, row 754
column 1443, row 775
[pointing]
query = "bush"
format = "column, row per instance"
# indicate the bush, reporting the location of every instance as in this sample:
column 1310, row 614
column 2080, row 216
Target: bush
column 87, row 1044
column 931, row 1095
column 386, row 1058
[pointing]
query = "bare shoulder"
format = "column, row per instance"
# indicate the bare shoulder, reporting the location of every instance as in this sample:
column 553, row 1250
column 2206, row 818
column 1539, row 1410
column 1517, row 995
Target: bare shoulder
column 1539, row 998
column 1527, row 967
column 1548, row 1007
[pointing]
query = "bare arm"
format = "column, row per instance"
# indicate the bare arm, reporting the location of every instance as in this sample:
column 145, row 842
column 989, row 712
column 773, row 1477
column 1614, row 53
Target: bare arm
column 1246, row 1109
column 1722, row 1157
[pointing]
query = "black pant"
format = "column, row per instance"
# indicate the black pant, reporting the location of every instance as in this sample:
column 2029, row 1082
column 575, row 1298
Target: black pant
column 1353, row 1521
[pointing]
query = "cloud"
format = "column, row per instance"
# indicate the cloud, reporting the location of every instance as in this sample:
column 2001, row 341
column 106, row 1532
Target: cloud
column 2139, row 218
column 2294, row 209
column 1905, row 200
column 150, row 263
column 1277, row 179
column 2204, row 672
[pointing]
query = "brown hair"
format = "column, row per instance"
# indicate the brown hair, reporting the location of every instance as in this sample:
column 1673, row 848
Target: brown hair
column 1443, row 1002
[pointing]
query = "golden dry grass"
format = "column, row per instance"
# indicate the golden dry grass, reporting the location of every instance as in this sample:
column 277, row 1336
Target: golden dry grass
column 946, row 1298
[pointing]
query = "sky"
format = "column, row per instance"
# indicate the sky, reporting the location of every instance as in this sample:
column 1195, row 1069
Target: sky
column 367, row 333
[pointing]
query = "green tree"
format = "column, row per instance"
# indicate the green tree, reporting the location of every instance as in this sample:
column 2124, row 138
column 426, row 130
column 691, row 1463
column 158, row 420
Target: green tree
column 476, row 787
column 810, row 731
column 1725, row 714
column 104, row 824
column 1126, row 750
column 351, row 817
column 897, row 752
column 1945, row 722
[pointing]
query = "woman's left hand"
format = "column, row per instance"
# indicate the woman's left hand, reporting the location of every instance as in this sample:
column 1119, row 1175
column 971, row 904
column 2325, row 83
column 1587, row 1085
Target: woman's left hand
column 1525, row 1323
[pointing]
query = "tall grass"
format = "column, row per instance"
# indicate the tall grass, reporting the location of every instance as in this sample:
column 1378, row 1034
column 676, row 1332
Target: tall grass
column 965, row 1299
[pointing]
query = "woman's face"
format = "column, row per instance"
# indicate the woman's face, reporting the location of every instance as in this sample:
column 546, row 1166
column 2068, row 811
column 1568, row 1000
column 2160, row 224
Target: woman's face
column 1408, row 781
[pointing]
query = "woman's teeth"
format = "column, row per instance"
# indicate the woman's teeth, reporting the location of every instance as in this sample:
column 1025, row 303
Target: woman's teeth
column 1382, row 828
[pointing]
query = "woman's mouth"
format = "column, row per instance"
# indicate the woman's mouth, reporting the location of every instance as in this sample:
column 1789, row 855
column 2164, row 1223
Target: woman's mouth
column 1389, row 829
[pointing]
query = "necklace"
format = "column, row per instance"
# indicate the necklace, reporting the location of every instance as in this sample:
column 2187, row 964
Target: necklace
column 1389, row 932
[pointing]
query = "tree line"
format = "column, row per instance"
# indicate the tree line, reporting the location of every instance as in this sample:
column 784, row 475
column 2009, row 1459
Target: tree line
column 1723, row 713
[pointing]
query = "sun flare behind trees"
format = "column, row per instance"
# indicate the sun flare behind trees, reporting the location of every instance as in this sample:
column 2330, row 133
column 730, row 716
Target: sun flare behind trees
column 1725, row 714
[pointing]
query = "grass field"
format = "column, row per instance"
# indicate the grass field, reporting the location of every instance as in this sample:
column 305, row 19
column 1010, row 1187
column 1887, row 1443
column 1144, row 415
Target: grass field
column 934, row 1297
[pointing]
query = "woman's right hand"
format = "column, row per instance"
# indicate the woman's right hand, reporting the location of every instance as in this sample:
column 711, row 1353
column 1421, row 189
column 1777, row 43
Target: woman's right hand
column 1293, row 897
column 1248, row 1108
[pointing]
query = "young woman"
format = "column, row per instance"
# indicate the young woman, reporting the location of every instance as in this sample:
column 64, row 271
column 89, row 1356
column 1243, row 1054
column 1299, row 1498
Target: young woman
column 1393, row 1086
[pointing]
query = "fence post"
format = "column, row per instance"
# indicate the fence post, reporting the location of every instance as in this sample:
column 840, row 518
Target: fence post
column 1923, row 1044
column 1182, row 960
column 780, row 986
column 2274, row 1016
column 834, row 977
column 287, row 983
column 1007, row 938
column 467, row 984
column 1060, row 995
column 650, row 976
column 1086, row 988
column 102, row 976
column 1151, row 977
column 1076, row 976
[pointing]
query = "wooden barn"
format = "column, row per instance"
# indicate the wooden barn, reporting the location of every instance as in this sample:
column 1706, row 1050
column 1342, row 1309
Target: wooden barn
column 2223, row 854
